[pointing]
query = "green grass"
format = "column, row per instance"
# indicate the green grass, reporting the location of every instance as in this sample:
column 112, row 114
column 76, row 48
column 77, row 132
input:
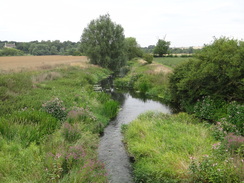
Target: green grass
column 143, row 78
column 50, row 123
column 170, row 61
column 166, row 149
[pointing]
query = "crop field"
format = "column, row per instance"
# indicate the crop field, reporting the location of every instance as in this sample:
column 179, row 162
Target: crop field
column 19, row 63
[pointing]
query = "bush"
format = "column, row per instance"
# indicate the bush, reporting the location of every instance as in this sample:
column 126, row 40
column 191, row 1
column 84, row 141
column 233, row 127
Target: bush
column 55, row 108
column 148, row 58
column 217, row 71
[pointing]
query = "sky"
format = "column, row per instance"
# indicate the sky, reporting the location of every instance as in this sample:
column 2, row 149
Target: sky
column 182, row 22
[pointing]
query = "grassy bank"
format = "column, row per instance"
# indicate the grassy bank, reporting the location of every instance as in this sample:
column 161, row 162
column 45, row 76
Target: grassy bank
column 50, row 123
column 178, row 148
column 148, row 79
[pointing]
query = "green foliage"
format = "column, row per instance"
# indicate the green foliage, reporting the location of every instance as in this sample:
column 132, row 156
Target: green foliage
column 132, row 48
column 162, row 145
column 103, row 42
column 11, row 52
column 71, row 132
column 35, row 145
column 171, row 62
column 210, row 169
column 110, row 108
column 230, row 116
column 40, row 49
column 55, row 108
column 217, row 71
column 161, row 48
column 144, row 79
column 148, row 58
column 28, row 126
column 43, row 48
column 12, row 85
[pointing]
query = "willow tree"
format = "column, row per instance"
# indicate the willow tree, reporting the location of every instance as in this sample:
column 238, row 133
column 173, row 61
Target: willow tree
column 103, row 41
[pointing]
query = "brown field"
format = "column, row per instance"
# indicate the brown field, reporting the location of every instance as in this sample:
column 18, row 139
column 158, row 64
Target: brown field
column 19, row 63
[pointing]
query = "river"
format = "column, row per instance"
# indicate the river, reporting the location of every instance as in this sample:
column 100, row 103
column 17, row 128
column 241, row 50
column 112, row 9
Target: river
column 111, row 149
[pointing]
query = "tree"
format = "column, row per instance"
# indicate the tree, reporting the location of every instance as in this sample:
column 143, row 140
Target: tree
column 216, row 71
column 11, row 52
column 39, row 49
column 132, row 48
column 54, row 50
column 103, row 42
column 162, row 47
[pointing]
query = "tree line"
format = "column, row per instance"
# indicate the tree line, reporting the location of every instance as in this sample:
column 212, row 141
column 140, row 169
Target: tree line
column 41, row 48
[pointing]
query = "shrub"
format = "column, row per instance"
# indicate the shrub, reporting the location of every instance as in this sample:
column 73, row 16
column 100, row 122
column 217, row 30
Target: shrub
column 210, row 109
column 71, row 132
column 148, row 58
column 217, row 71
column 55, row 108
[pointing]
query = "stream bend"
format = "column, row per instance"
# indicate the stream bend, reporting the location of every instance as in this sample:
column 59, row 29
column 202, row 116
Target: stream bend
column 111, row 150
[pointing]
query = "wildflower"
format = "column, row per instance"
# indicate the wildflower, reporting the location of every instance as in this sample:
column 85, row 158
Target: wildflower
column 215, row 164
column 216, row 146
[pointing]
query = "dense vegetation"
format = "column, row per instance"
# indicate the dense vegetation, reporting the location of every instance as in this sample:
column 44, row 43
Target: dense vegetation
column 212, row 84
column 210, row 87
column 50, row 123
column 142, row 78
column 103, row 41
column 44, row 48
column 178, row 148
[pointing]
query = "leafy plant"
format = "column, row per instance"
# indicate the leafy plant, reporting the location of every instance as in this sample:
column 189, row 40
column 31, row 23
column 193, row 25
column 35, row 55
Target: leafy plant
column 55, row 108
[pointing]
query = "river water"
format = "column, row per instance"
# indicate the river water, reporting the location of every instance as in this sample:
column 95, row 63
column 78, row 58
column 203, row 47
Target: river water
column 111, row 149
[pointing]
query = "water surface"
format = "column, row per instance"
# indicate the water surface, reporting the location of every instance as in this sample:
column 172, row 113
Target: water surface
column 111, row 149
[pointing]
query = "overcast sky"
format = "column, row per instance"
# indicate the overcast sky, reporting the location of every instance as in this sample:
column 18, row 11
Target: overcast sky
column 183, row 22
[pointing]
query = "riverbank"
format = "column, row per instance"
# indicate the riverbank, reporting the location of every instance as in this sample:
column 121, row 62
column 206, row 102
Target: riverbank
column 147, row 79
column 164, row 148
column 111, row 148
column 50, row 121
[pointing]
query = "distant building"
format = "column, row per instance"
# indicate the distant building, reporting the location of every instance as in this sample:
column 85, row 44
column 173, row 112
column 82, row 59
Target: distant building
column 9, row 45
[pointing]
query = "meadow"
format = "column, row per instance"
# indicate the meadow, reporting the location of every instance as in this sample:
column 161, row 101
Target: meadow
column 50, row 121
column 170, row 61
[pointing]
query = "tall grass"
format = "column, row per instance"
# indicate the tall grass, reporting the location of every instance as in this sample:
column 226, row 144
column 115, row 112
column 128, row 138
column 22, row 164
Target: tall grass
column 144, row 79
column 50, row 123
column 166, row 147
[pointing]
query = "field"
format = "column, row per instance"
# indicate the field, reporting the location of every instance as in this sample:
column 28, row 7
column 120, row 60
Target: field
column 170, row 61
column 19, row 63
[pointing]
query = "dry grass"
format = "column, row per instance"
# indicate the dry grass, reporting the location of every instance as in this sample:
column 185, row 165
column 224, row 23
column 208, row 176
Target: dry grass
column 19, row 63
column 156, row 68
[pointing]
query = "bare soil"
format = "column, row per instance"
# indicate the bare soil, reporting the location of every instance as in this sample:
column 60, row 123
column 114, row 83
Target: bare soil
column 19, row 63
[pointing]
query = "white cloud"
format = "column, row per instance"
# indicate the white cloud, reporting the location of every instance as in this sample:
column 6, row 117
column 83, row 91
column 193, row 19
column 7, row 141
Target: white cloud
column 186, row 23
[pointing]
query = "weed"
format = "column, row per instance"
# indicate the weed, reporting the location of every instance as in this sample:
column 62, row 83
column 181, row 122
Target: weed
column 55, row 108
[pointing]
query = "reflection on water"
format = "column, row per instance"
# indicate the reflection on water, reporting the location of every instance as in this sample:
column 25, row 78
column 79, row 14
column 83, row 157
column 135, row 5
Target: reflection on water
column 111, row 149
